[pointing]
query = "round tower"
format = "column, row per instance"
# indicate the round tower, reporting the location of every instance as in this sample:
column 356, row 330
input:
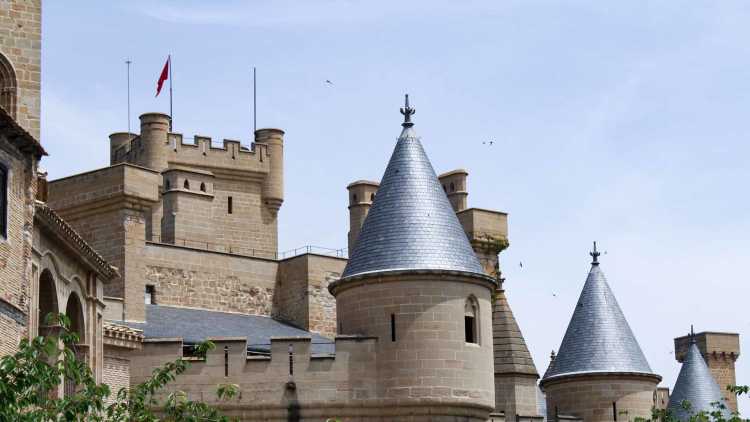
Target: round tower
column 154, row 140
column 599, row 373
column 361, row 195
column 413, row 282
column 118, row 140
column 273, row 185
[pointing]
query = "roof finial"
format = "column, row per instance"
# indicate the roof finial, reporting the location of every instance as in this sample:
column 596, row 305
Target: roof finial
column 692, row 334
column 595, row 254
column 407, row 112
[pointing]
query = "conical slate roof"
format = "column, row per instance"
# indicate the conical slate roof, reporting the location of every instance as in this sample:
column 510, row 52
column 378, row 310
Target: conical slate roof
column 411, row 225
column 511, row 354
column 696, row 385
column 598, row 339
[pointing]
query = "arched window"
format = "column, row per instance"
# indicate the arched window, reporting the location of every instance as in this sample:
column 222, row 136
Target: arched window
column 471, row 318
column 203, row 187
column 167, row 185
column 372, row 197
column 8, row 86
column 453, row 187
column 186, row 185
column 354, row 198
column 74, row 311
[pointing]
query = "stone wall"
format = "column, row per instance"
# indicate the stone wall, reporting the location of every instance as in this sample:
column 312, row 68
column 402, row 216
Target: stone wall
column 343, row 387
column 16, row 247
column 209, row 280
column 21, row 44
column 591, row 397
column 301, row 296
column 116, row 372
column 109, row 208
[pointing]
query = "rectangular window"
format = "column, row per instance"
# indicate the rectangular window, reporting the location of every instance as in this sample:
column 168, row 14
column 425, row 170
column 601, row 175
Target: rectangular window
column 150, row 295
column 393, row 327
column 469, row 328
column 4, row 202
column 229, row 205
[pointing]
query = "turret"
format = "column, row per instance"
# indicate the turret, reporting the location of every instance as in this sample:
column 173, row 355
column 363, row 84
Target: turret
column 599, row 373
column 361, row 195
column 118, row 140
column 414, row 282
column 454, row 185
column 695, row 384
column 720, row 351
column 273, row 185
column 154, row 141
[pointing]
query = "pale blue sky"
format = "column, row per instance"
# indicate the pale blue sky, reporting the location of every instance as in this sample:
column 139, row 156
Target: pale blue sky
column 625, row 123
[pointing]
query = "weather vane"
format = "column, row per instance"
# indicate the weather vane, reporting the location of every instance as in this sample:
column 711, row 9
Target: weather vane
column 407, row 112
column 595, row 254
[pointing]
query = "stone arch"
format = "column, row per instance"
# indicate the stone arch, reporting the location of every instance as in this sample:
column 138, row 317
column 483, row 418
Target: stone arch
column 8, row 86
column 186, row 184
column 47, row 300
column 74, row 311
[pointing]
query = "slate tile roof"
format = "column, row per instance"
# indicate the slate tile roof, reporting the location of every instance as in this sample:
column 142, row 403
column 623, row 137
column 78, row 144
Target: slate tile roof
column 696, row 385
column 196, row 325
column 598, row 338
column 411, row 225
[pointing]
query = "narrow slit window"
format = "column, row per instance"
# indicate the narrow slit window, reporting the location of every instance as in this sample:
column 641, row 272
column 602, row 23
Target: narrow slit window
column 226, row 361
column 4, row 201
column 393, row 327
column 229, row 205
column 203, row 187
column 470, row 321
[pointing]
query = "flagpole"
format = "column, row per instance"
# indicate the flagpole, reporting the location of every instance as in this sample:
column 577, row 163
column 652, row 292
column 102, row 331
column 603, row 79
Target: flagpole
column 128, row 63
column 171, row 118
column 255, row 124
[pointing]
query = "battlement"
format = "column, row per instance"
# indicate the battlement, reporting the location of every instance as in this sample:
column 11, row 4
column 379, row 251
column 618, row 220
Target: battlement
column 157, row 148
column 288, row 366
column 201, row 152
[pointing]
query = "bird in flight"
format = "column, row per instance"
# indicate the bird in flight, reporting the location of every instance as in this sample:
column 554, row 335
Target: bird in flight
column 520, row 264
column 488, row 142
column 329, row 82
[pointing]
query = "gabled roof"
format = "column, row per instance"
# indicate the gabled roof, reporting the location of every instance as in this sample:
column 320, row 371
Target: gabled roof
column 696, row 385
column 598, row 339
column 411, row 225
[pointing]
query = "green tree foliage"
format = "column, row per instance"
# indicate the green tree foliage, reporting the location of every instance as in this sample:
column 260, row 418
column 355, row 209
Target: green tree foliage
column 30, row 379
column 717, row 414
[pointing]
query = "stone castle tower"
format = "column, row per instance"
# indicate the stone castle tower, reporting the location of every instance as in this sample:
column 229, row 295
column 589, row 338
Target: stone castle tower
column 20, row 62
column 600, row 356
column 414, row 282
column 696, row 385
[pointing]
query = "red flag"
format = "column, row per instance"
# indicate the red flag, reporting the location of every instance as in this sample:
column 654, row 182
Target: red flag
column 163, row 77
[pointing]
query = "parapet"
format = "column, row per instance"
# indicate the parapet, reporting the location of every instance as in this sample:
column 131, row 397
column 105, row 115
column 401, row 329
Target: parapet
column 485, row 228
column 288, row 365
column 709, row 344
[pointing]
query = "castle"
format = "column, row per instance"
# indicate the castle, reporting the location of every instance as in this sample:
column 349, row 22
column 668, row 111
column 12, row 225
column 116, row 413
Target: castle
column 176, row 242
